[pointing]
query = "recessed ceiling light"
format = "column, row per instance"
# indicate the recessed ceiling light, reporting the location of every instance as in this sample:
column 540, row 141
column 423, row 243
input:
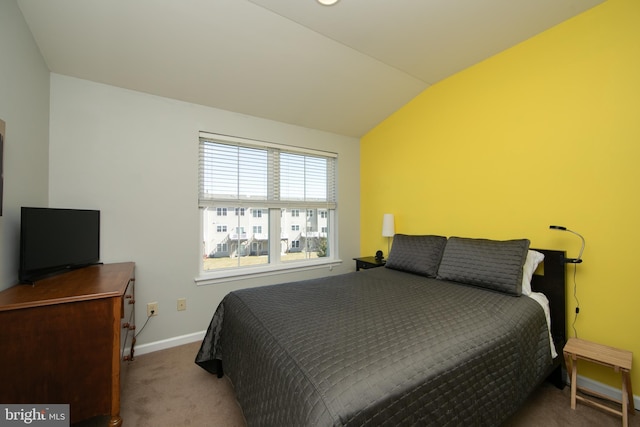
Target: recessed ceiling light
column 328, row 2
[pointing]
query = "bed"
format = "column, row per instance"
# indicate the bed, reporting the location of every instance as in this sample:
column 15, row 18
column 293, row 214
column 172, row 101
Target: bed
column 447, row 333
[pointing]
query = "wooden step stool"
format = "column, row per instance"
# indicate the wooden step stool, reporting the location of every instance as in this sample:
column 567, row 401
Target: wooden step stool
column 619, row 360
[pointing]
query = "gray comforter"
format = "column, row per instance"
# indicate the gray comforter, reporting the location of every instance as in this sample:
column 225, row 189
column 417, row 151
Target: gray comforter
column 377, row 347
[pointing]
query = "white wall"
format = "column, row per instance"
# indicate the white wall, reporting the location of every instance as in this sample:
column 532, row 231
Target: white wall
column 135, row 157
column 24, row 106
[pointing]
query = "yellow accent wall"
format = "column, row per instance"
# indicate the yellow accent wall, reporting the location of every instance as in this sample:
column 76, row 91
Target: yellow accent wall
column 547, row 132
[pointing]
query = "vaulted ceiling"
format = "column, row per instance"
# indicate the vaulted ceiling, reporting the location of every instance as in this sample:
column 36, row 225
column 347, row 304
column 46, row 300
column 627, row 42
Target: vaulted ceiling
column 341, row 68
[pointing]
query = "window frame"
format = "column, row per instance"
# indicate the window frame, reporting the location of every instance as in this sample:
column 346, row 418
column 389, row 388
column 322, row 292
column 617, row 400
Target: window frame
column 275, row 265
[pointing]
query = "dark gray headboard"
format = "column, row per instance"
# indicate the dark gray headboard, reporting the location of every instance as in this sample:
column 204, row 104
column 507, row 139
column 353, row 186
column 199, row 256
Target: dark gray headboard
column 553, row 285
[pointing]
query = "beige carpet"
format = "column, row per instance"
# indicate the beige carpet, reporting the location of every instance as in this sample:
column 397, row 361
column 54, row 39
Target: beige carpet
column 166, row 388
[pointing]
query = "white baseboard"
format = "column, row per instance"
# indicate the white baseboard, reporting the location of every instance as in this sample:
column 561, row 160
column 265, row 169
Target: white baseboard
column 612, row 392
column 168, row 343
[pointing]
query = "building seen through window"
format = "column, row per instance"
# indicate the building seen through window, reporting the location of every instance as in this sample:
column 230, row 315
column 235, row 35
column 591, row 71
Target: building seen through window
column 264, row 204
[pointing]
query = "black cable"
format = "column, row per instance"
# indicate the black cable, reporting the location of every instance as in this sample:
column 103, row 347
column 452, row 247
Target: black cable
column 145, row 324
column 575, row 296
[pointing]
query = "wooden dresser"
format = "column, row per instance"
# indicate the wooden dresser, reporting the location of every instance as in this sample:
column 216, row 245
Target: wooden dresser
column 63, row 339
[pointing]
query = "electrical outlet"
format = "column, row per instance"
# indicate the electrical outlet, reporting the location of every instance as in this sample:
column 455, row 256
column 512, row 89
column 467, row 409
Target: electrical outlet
column 152, row 309
column 182, row 304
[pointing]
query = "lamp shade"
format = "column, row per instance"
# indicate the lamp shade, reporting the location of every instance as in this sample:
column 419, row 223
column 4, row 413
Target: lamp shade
column 388, row 229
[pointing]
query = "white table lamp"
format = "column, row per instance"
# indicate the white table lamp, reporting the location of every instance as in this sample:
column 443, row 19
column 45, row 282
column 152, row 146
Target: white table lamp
column 388, row 229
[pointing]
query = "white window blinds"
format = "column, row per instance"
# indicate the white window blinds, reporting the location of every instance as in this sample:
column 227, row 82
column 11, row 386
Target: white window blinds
column 254, row 173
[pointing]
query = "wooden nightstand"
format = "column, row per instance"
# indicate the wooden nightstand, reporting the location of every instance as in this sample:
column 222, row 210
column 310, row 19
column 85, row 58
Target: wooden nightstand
column 620, row 360
column 368, row 262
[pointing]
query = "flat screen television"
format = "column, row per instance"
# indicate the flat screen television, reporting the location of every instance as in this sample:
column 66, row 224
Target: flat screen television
column 53, row 241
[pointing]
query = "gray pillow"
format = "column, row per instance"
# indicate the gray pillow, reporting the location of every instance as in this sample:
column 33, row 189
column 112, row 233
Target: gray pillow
column 491, row 264
column 416, row 254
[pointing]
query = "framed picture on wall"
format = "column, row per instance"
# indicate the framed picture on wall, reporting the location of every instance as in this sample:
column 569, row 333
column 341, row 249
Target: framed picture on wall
column 1, row 163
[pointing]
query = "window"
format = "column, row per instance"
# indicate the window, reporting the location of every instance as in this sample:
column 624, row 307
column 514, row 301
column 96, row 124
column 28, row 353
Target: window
column 275, row 182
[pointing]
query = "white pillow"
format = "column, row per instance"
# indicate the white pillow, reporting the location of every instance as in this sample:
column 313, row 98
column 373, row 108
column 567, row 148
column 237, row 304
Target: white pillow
column 534, row 258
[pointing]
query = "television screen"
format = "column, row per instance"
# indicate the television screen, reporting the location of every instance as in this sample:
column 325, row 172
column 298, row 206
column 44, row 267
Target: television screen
column 56, row 240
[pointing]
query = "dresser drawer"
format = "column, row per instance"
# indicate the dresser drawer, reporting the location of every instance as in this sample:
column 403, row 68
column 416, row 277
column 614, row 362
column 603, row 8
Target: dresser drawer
column 128, row 322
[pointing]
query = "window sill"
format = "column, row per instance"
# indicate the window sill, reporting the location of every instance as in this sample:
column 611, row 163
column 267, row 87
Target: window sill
column 262, row 271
